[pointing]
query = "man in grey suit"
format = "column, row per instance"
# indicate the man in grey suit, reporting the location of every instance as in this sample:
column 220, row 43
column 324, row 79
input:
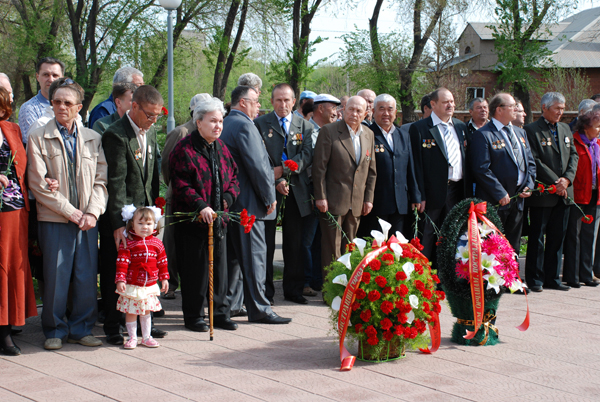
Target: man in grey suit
column 257, row 196
column 288, row 137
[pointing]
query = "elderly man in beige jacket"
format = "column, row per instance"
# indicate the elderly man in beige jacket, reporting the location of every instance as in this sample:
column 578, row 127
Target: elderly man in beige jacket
column 66, row 151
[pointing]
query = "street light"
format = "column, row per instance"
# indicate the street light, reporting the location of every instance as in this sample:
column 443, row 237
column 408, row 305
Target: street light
column 170, row 5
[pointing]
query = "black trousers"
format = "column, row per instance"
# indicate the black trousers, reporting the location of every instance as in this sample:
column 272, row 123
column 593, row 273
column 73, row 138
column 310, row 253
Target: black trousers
column 543, row 261
column 371, row 222
column 108, row 270
column 454, row 195
column 293, row 272
column 192, row 257
column 270, row 231
column 512, row 222
column 579, row 243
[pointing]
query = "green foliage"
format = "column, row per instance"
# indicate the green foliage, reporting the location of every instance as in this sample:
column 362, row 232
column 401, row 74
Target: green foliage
column 281, row 71
column 361, row 68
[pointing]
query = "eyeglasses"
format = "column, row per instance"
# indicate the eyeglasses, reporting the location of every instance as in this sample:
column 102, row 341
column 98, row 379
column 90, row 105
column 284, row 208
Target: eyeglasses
column 150, row 117
column 514, row 105
column 59, row 102
column 251, row 100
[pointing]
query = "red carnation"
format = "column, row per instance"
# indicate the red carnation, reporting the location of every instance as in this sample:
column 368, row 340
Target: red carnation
column 440, row 295
column 402, row 318
column 436, row 278
column 419, row 269
column 417, row 244
column 399, row 304
column 400, row 276
column 358, row 328
column 387, row 307
column 427, row 294
column 426, row 308
column 365, row 315
column 406, row 308
column 419, row 285
column 386, row 324
column 399, row 330
column 371, row 331
column 350, row 247
column 165, row 111
column 373, row 341
column 410, row 333
column 360, row 294
column 387, row 290
column 540, row 187
column 160, row 203
column 437, row 308
column 366, row 277
column 388, row 335
column 588, row 219
column 552, row 189
column 374, row 295
column 290, row 164
column 375, row 265
column 402, row 290
column 355, row 306
column 381, row 281
column 388, row 258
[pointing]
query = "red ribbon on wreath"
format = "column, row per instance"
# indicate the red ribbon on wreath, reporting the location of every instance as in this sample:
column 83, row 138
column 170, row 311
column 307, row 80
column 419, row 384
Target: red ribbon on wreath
column 477, row 211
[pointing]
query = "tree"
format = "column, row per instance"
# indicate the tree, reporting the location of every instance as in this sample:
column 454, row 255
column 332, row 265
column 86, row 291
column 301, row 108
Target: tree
column 519, row 43
column 227, row 54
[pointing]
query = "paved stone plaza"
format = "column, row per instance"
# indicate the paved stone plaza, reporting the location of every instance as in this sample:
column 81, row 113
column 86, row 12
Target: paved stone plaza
column 557, row 359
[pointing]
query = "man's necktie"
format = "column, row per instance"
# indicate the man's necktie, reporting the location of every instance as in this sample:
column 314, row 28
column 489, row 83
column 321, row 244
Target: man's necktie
column 515, row 147
column 451, row 147
column 283, row 122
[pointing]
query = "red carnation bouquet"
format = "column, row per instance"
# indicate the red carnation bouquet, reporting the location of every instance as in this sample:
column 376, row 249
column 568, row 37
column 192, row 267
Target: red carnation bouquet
column 395, row 302
column 292, row 167
column 160, row 202
column 242, row 218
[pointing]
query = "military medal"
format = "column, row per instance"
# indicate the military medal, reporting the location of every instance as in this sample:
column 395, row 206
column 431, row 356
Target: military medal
column 138, row 154
column 149, row 152
column 424, row 144
column 294, row 143
column 567, row 142
column 270, row 132
column 433, row 143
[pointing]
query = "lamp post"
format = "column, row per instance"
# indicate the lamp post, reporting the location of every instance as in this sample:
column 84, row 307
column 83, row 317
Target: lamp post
column 170, row 5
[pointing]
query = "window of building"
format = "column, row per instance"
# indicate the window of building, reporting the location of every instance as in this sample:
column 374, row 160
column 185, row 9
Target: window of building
column 472, row 93
column 468, row 50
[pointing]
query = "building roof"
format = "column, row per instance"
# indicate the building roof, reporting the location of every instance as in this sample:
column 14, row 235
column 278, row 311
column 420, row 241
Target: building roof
column 549, row 31
column 579, row 43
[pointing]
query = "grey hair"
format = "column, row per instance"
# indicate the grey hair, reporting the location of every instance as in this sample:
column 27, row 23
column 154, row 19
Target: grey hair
column 125, row 74
column 586, row 105
column 550, row 98
column 473, row 101
column 5, row 76
column 250, row 80
column 384, row 98
column 207, row 106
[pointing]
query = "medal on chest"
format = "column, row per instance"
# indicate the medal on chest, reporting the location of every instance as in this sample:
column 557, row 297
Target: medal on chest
column 138, row 154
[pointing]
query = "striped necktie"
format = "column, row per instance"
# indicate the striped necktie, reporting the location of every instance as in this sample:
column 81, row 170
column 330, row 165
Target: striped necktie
column 451, row 146
column 515, row 147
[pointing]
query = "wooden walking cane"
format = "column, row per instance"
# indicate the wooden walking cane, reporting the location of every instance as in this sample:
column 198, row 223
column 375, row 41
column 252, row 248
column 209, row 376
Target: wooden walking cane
column 211, row 275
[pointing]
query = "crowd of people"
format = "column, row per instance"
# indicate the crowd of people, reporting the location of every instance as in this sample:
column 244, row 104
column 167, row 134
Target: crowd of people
column 325, row 170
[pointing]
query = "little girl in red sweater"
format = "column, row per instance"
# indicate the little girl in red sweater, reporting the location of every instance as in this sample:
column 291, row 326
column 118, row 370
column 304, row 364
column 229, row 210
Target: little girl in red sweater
column 139, row 266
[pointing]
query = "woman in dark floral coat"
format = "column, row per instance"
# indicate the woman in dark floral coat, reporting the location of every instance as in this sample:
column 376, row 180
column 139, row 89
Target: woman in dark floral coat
column 204, row 178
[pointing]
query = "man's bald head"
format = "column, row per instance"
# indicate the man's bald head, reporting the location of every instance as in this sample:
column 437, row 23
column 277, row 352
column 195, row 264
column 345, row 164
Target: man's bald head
column 355, row 112
column 369, row 96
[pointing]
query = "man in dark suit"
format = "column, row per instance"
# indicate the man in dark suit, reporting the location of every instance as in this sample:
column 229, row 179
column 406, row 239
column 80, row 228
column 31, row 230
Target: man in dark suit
column 396, row 186
column 132, row 155
column 288, row 137
column 438, row 145
column 257, row 196
column 344, row 175
column 556, row 163
column 502, row 166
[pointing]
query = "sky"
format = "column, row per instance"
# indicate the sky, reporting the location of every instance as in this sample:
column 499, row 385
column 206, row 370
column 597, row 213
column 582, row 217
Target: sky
column 332, row 22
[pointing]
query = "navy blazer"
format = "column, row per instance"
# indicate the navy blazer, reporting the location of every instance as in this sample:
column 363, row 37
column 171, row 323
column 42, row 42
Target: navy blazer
column 255, row 176
column 431, row 163
column 495, row 168
column 396, row 181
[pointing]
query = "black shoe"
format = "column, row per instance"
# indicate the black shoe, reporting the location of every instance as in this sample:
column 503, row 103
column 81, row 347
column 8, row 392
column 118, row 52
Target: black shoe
column 15, row 331
column 240, row 313
column 160, row 313
column 225, row 323
column 537, row 289
column 158, row 333
column 297, row 299
column 557, row 287
column 575, row 285
column 273, row 319
column 198, row 326
column 10, row 350
column 114, row 339
column 592, row 284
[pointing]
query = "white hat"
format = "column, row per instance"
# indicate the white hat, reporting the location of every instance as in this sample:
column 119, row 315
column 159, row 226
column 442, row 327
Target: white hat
column 197, row 99
column 323, row 98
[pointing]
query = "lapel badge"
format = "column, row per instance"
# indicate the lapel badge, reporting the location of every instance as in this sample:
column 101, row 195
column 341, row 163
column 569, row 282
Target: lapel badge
column 433, row 143
column 149, row 152
column 381, row 148
column 294, row 143
column 138, row 154
column 549, row 141
column 424, row 143
column 544, row 142
column 270, row 132
column 495, row 145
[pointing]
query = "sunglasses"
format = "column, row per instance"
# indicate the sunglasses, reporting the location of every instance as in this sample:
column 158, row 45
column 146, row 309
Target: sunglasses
column 59, row 102
column 67, row 82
